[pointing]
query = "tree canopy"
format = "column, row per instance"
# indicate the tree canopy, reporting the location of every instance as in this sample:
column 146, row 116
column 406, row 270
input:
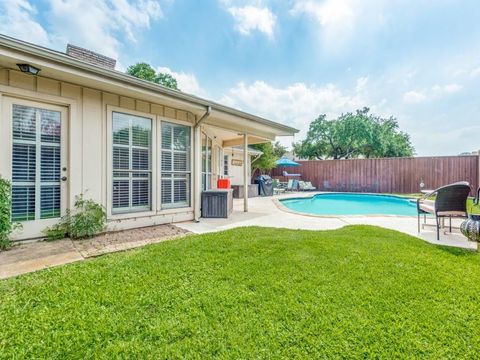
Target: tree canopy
column 352, row 135
column 271, row 153
column 146, row 72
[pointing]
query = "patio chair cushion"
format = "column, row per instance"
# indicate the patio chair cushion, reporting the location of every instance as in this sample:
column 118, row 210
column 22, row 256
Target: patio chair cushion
column 309, row 186
column 429, row 207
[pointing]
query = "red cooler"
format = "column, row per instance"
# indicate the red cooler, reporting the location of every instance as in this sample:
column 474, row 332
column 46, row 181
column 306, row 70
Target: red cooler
column 223, row 183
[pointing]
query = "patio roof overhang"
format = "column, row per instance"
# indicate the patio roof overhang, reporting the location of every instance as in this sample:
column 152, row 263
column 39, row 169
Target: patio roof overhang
column 59, row 66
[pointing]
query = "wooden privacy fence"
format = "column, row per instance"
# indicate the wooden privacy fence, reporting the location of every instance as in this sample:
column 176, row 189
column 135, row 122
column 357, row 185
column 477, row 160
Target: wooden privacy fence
column 388, row 175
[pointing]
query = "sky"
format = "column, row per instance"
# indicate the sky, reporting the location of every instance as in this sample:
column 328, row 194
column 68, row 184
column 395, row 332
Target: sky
column 291, row 60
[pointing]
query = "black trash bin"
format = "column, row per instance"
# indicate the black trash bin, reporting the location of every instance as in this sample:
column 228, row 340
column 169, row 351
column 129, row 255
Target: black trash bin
column 265, row 185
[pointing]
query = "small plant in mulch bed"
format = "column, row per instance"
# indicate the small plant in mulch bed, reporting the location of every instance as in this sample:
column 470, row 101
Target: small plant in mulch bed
column 6, row 224
column 86, row 220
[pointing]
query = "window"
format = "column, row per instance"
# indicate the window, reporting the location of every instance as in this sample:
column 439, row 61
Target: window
column 219, row 160
column 131, row 163
column 225, row 165
column 175, row 187
column 35, row 163
column 206, row 162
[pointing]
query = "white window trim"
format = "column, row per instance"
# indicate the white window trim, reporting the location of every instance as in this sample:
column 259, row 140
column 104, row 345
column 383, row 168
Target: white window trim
column 154, row 167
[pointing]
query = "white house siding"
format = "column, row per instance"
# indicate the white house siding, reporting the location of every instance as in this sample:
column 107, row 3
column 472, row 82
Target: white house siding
column 87, row 138
column 235, row 173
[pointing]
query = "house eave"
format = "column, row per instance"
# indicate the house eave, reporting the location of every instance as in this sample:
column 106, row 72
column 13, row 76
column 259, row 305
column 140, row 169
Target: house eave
column 42, row 56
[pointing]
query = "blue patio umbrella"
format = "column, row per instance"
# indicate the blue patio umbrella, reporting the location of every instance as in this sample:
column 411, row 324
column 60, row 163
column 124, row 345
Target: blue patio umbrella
column 284, row 161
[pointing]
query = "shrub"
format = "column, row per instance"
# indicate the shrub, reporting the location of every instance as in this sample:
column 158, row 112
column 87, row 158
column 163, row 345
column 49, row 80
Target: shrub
column 86, row 220
column 6, row 225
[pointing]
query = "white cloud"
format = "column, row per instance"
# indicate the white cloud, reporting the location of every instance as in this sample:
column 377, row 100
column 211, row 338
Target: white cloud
column 187, row 83
column 446, row 89
column 414, row 97
column 475, row 72
column 249, row 18
column 297, row 104
column 435, row 92
column 17, row 19
column 97, row 25
column 341, row 20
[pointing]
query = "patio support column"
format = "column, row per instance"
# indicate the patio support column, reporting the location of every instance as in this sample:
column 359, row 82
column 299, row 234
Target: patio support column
column 245, row 173
column 197, row 172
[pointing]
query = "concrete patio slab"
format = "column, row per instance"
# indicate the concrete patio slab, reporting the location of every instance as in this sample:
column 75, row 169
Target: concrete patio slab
column 264, row 211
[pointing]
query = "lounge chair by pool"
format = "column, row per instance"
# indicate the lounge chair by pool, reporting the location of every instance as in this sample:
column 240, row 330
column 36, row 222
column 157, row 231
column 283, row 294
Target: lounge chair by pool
column 306, row 186
column 292, row 185
column 286, row 174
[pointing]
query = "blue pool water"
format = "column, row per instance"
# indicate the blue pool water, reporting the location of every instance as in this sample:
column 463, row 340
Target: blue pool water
column 352, row 204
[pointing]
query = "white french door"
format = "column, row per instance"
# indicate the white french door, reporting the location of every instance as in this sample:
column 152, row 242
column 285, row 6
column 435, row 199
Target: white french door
column 39, row 172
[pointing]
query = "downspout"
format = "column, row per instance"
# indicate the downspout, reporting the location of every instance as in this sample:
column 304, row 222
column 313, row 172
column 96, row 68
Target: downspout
column 204, row 117
column 198, row 170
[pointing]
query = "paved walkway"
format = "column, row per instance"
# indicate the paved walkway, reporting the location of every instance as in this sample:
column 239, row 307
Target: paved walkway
column 34, row 256
column 267, row 212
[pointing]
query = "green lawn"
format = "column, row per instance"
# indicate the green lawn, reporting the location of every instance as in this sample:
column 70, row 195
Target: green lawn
column 358, row 292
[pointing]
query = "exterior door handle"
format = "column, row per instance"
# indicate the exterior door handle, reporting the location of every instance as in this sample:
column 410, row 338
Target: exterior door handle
column 64, row 178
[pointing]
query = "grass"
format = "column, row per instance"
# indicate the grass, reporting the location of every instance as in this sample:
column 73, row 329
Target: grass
column 357, row 292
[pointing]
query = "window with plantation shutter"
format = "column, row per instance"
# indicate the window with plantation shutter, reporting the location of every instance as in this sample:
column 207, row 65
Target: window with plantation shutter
column 36, row 163
column 225, row 165
column 131, row 163
column 175, row 168
column 206, row 162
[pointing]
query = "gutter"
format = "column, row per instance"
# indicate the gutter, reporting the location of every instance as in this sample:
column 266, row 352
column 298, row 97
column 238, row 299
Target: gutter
column 61, row 58
column 204, row 117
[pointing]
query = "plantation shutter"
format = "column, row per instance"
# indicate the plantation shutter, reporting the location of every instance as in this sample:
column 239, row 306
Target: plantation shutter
column 175, row 183
column 36, row 163
column 206, row 162
column 225, row 164
column 131, row 163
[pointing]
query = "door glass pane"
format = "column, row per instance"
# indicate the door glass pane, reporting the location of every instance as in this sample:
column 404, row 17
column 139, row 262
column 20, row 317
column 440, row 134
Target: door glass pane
column 50, row 126
column 24, row 162
column 35, row 181
column 50, row 169
column 23, row 202
column 24, row 123
column 50, row 201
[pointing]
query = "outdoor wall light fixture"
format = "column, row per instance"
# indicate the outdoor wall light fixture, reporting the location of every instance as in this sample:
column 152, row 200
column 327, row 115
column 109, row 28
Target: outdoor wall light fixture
column 28, row 69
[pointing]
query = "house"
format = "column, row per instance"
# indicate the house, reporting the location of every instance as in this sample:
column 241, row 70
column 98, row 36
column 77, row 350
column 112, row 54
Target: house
column 233, row 163
column 71, row 124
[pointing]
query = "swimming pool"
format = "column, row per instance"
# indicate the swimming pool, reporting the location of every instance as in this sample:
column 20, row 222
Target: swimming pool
column 352, row 204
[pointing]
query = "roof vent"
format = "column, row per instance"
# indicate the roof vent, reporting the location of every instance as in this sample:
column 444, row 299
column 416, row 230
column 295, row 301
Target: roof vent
column 91, row 57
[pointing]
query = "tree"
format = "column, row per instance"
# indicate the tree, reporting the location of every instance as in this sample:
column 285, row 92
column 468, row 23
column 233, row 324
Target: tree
column 167, row 80
column 279, row 150
column 146, row 72
column 266, row 161
column 353, row 135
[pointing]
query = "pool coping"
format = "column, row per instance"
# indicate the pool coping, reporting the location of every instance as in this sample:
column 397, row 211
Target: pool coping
column 278, row 203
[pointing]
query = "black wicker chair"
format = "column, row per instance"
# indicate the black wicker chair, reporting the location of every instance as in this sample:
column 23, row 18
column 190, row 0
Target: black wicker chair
column 450, row 202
